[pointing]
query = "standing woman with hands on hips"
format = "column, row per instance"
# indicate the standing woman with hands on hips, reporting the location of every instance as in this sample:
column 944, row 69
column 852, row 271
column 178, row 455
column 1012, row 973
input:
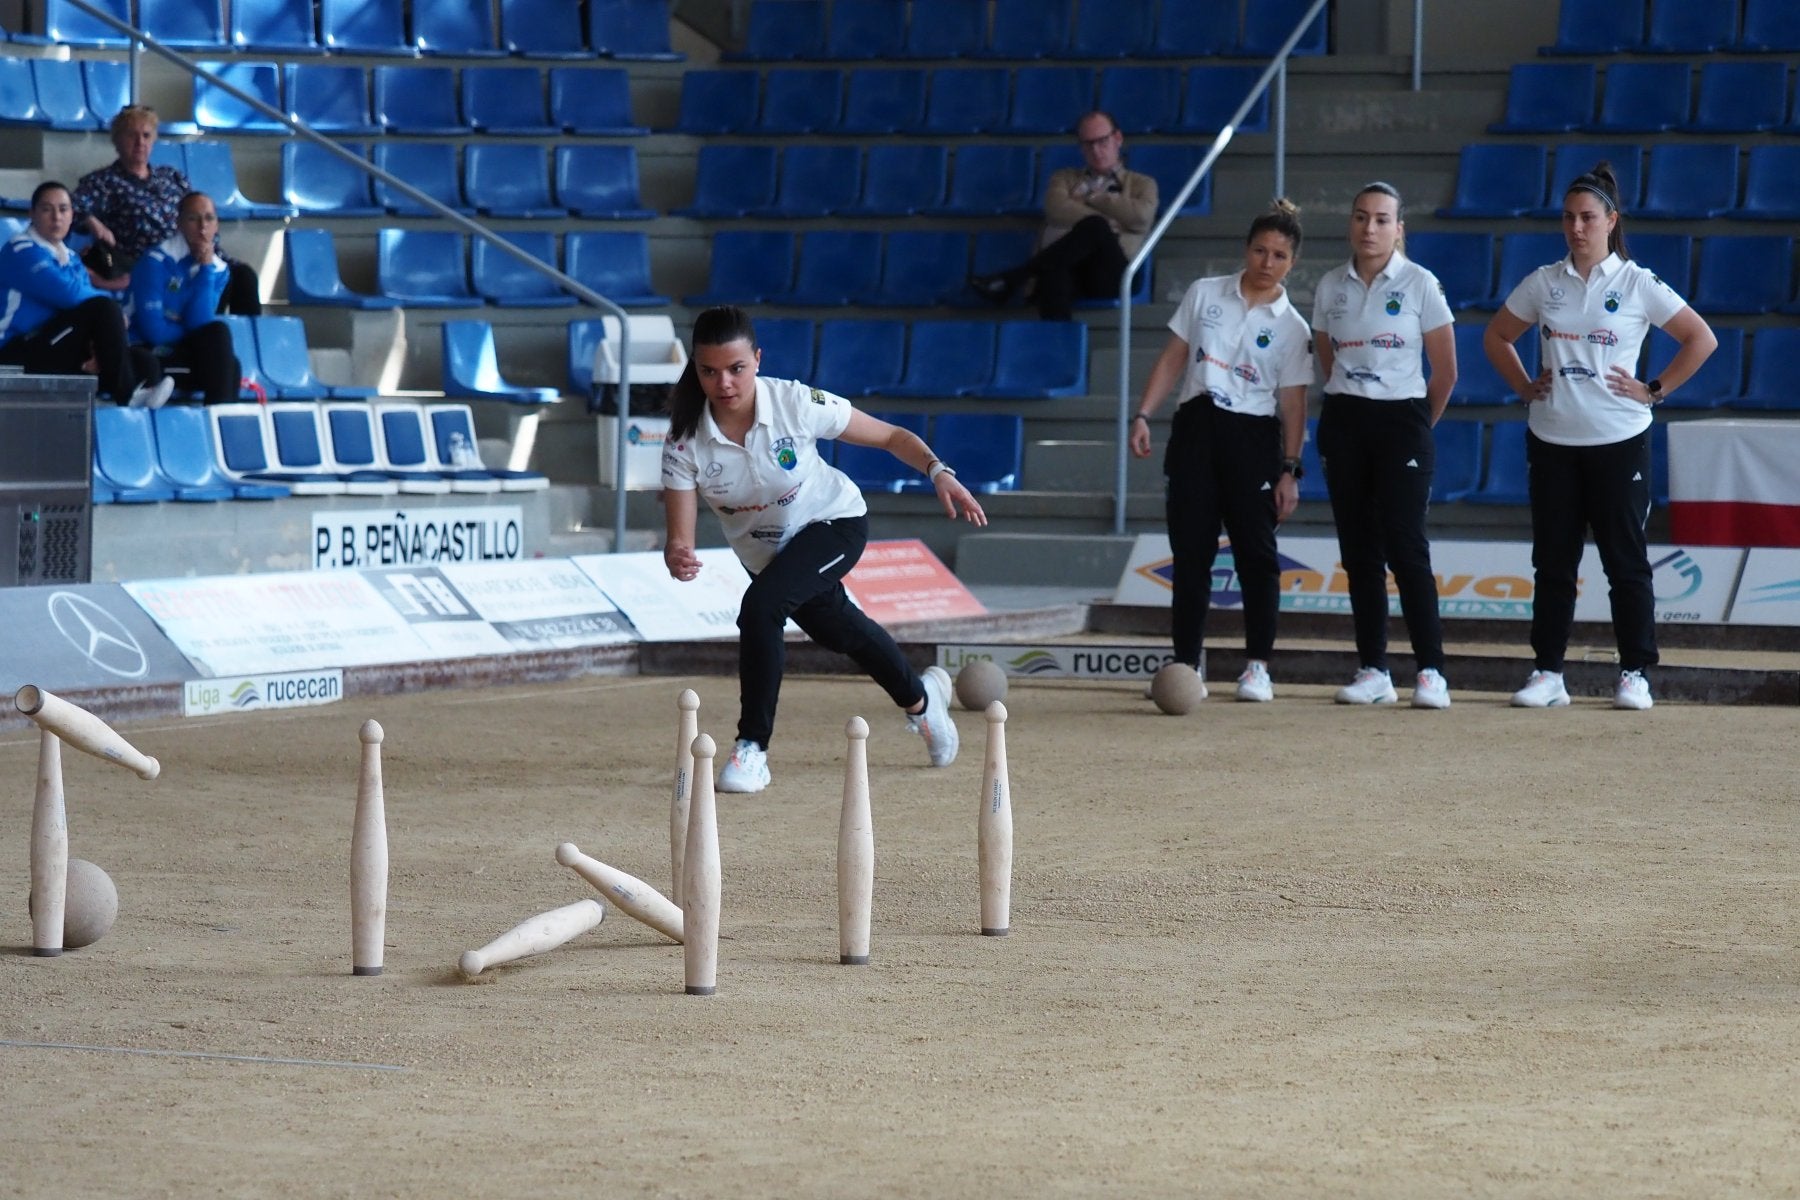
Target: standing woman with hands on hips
column 1242, row 359
column 1588, row 444
column 796, row 523
column 1376, row 320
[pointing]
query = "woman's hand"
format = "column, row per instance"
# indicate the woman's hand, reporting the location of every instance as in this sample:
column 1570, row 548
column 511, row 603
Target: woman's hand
column 1287, row 497
column 955, row 497
column 1621, row 382
column 1540, row 387
column 681, row 560
column 1140, row 438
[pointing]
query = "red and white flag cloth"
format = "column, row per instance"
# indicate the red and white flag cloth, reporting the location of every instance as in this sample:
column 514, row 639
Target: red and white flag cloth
column 1735, row 483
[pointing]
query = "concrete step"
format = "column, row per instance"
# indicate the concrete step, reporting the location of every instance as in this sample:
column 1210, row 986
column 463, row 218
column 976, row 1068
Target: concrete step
column 1068, row 560
column 1091, row 465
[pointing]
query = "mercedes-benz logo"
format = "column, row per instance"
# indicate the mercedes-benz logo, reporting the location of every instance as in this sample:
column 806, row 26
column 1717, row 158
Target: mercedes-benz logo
column 98, row 634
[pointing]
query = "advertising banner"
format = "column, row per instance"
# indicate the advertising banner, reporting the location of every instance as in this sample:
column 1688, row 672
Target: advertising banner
column 1769, row 592
column 902, row 581
column 669, row 610
column 1060, row 661
column 541, row 604
column 253, row 693
column 74, row 637
column 442, row 617
column 423, row 536
column 1692, row 584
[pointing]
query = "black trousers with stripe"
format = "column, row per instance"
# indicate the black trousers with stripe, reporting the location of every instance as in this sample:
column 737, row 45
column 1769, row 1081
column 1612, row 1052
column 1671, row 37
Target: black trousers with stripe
column 806, row 582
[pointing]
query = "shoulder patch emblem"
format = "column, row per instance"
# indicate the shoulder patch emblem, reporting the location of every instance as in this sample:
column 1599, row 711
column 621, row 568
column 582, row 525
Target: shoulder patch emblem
column 818, row 397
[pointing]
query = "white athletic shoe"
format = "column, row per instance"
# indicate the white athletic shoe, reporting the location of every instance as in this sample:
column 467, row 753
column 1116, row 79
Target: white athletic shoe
column 1254, row 684
column 747, row 770
column 1431, row 690
column 1633, row 691
column 933, row 722
column 152, row 395
column 1149, row 693
column 1372, row 685
column 1543, row 690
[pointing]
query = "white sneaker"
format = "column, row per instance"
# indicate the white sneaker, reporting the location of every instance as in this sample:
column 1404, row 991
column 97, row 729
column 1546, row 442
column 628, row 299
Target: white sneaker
column 1543, row 690
column 1372, row 685
column 747, row 770
column 1149, row 692
column 1431, row 690
column 1633, row 691
column 152, row 395
column 933, row 722
column 1254, row 684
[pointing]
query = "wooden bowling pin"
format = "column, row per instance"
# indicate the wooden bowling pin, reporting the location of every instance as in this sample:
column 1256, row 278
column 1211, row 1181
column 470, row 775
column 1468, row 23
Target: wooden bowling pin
column 83, row 730
column 994, row 830
column 368, row 860
column 546, row 931
column 856, row 849
column 686, row 726
column 700, row 878
column 627, row 893
column 49, row 851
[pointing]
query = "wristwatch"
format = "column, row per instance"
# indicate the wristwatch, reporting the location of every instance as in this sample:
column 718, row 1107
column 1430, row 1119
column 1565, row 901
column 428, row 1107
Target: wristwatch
column 1292, row 466
column 1654, row 387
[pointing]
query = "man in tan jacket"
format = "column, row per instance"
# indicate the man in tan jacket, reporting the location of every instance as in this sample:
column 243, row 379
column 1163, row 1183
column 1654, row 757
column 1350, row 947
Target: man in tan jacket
column 1095, row 218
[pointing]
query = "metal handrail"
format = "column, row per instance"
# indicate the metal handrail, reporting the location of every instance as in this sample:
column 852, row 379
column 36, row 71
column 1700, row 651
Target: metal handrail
column 587, row 295
column 1276, row 73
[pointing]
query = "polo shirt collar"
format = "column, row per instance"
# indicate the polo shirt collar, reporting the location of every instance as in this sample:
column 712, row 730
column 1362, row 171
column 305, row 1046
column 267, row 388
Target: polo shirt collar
column 1603, row 269
column 1274, row 305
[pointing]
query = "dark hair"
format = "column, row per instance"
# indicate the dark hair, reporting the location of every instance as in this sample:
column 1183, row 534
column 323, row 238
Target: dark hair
column 49, row 185
column 1112, row 123
column 1283, row 217
column 1603, row 183
column 1379, row 188
column 715, row 327
column 193, row 195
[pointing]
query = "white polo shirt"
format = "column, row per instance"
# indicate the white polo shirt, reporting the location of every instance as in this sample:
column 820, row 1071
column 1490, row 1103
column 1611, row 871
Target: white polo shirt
column 1240, row 354
column 1584, row 327
column 1378, row 332
column 775, row 484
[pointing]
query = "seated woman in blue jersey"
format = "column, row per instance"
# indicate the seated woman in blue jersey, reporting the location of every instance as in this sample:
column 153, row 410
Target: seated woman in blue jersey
column 796, row 523
column 174, row 299
column 54, row 321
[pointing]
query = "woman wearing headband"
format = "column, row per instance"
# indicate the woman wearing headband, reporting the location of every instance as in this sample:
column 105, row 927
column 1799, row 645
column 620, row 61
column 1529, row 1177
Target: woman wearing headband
column 1589, row 434
column 1376, row 320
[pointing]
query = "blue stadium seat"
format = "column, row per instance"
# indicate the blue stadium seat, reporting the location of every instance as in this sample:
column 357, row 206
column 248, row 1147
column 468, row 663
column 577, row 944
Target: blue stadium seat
column 418, row 101
column 1771, row 184
column 352, row 448
column 1458, row 468
column 1644, row 97
column 1119, row 29
column 1213, row 97
column 585, row 336
column 593, row 101
column 18, row 94
column 332, row 99
column 1691, row 181
column 1462, row 262
column 506, row 100
column 967, row 100
column 884, row 99
column 988, row 449
column 836, row 265
column 860, row 357
column 424, row 268
column 718, row 101
column 1050, row 99
column 509, row 181
column 392, row 438
column 1574, row 159
column 631, row 30
column 997, row 250
column 125, row 458
column 1692, row 26
column 1477, row 382
column 221, row 112
column 1039, row 359
column 1669, row 256
column 108, row 88
column 1312, row 483
column 255, row 384
column 946, row 29
column 62, row 95
column 1140, row 291
column 543, row 29
column 866, row 29
column 1590, row 27
column 1498, row 181
column 816, row 181
column 781, row 30
column 1744, row 274
column 452, row 425
column 1269, row 23
column 455, row 30
column 1508, row 477
column 1740, row 97
column 364, row 27
column 990, row 179
column 600, row 182
column 1520, row 255
column 427, row 166
column 732, row 181
column 503, row 280
column 1170, row 164
column 900, row 179
column 183, row 24
column 245, row 443
column 313, row 276
column 1142, row 99
column 472, row 369
column 1548, row 98
column 287, row 366
column 947, row 358
column 281, row 27
column 1774, row 384
column 1770, row 27
column 1052, row 159
column 406, row 444
column 209, row 168
column 787, row 347
column 801, row 99
column 1720, row 378
column 187, row 458
column 747, row 267
column 614, row 263
column 1659, row 464
column 875, row 470
column 66, row 25
column 1028, row 28
column 319, row 184
column 1196, row 29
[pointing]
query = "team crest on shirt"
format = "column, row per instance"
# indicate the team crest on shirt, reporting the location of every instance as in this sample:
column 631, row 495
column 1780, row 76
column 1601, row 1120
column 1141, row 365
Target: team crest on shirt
column 1394, row 302
column 818, row 397
column 1612, row 301
column 785, row 456
column 1264, row 337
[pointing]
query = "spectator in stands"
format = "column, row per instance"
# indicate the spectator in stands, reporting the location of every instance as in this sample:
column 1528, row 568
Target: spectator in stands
column 1588, row 440
column 131, row 206
column 54, row 321
column 1376, row 320
column 1242, row 358
column 1095, row 218
column 796, row 523
column 174, row 304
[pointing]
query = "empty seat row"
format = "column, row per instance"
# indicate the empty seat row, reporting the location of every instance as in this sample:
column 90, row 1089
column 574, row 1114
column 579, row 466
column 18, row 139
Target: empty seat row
column 53, row 94
column 276, row 363
column 496, row 180
column 967, row 100
column 903, row 179
column 988, row 450
column 1680, row 181
column 1651, row 97
column 1024, row 29
column 1676, row 27
column 626, row 29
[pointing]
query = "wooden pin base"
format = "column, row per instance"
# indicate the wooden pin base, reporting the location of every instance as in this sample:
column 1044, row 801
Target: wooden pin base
column 46, row 951
column 365, row 971
column 701, row 991
column 854, row 960
column 995, row 932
